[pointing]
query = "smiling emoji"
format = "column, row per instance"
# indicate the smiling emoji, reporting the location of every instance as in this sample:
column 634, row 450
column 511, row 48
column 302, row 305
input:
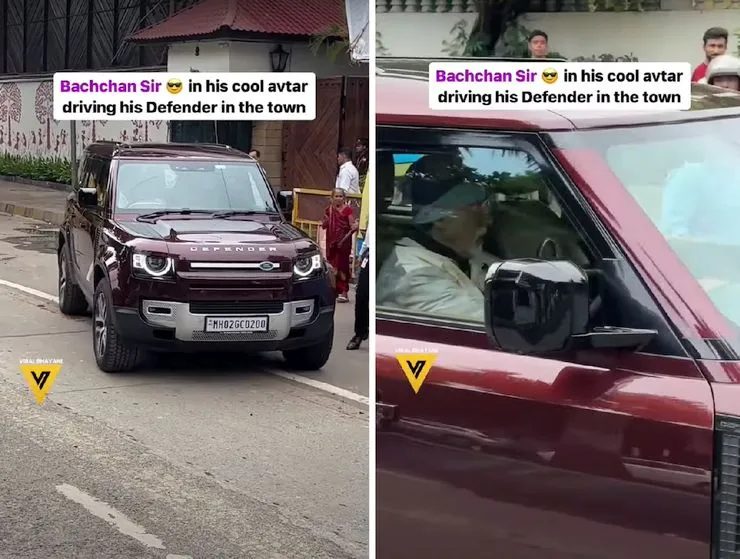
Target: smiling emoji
column 174, row 86
column 550, row 76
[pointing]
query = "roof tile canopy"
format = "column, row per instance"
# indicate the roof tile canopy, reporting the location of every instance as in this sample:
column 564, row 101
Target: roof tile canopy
column 301, row 18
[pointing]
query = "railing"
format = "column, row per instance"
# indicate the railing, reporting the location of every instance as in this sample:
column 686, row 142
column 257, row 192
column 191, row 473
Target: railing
column 432, row 6
column 701, row 5
column 309, row 205
column 537, row 6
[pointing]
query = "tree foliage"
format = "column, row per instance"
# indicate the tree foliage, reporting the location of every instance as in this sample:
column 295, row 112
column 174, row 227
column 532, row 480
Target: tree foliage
column 497, row 31
column 512, row 43
column 335, row 42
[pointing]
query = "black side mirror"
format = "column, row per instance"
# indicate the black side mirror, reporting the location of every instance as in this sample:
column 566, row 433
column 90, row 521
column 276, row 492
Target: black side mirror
column 285, row 200
column 537, row 307
column 87, row 197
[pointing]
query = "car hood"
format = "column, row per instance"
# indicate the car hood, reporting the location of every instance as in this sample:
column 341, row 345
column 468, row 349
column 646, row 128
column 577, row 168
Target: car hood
column 219, row 239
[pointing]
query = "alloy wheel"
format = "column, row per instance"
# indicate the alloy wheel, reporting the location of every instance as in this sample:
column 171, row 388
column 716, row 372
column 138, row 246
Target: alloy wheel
column 100, row 324
column 62, row 277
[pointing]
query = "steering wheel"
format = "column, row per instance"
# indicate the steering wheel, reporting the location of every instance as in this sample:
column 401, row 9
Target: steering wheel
column 597, row 302
column 553, row 245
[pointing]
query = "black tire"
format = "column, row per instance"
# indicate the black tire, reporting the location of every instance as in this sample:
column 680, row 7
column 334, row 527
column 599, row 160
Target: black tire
column 313, row 357
column 72, row 301
column 111, row 353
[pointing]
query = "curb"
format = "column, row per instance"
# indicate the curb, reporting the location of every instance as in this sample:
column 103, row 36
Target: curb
column 52, row 217
column 31, row 182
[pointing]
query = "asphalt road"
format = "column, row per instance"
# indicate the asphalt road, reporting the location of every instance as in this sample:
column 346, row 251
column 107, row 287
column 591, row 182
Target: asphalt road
column 187, row 457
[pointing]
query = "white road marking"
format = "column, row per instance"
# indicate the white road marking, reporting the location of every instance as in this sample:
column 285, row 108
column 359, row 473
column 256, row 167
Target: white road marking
column 113, row 517
column 336, row 390
column 30, row 291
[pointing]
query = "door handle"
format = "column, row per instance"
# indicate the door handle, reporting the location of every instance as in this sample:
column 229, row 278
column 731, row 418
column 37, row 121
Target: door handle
column 386, row 415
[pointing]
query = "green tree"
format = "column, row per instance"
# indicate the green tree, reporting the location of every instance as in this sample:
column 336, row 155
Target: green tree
column 334, row 42
column 497, row 32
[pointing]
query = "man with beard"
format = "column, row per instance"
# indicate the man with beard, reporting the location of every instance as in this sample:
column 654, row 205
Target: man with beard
column 715, row 44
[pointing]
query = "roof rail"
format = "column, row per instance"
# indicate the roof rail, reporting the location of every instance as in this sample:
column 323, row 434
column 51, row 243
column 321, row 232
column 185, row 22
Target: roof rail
column 206, row 144
column 227, row 146
column 174, row 144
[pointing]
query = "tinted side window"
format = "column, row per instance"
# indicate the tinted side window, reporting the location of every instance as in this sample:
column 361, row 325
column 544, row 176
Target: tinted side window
column 97, row 171
column 448, row 213
column 101, row 181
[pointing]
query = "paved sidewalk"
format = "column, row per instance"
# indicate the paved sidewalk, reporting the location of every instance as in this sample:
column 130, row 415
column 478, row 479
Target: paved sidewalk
column 43, row 204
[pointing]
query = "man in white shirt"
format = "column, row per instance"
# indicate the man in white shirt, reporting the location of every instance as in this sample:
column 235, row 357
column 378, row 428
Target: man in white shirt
column 348, row 178
column 439, row 269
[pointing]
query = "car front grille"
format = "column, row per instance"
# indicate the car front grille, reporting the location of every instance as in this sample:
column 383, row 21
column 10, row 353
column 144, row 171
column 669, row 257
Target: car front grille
column 236, row 307
column 235, row 336
column 726, row 514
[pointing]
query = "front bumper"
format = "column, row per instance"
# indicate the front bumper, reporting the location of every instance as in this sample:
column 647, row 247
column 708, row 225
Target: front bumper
column 172, row 325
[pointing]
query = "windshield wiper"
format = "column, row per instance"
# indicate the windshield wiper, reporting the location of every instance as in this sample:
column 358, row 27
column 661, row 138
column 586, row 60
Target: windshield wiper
column 154, row 215
column 231, row 213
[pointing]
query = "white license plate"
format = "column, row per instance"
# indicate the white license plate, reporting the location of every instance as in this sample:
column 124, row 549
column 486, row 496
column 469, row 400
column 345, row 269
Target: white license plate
column 237, row 323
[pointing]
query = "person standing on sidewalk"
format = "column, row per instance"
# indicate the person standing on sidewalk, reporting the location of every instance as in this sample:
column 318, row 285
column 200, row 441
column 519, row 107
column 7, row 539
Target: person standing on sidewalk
column 361, row 159
column 715, row 43
column 362, row 297
column 348, row 178
column 340, row 225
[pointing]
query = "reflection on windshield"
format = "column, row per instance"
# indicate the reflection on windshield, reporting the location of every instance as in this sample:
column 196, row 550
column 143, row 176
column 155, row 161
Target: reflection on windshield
column 502, row 172
column 147, row 187
column 686, row 177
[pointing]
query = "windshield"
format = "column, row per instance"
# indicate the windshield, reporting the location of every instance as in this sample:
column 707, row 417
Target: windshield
column 686, row 177
column 143, row 187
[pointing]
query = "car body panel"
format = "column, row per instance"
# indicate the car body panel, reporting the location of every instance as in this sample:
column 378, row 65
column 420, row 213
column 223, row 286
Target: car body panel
column 502, row 455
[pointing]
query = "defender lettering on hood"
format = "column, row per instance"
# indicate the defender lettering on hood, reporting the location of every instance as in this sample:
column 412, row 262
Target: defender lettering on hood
column 232, row 249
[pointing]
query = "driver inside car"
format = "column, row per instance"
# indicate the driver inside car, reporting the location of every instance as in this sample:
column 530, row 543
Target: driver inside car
column 438, row 268
column 147, row 191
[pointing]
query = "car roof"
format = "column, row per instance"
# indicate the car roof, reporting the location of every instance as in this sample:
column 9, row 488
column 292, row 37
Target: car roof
column 166, row 150
column 403, row 99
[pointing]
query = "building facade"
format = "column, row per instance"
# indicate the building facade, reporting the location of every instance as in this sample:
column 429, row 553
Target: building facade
column 41, row 37
column 652, row 30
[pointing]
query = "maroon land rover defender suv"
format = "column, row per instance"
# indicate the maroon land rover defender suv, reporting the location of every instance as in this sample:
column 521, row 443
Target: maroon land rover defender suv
column 573, row 279
column 184, row 247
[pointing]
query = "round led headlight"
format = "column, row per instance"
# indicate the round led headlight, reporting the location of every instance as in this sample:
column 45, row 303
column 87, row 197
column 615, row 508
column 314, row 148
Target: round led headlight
column 153, row 264
column 307, row 265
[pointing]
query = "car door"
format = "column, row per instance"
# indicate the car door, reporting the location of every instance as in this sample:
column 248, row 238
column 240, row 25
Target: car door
column 76, row 219
column 98, row 214
column 581, row 455
column 94, row 179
